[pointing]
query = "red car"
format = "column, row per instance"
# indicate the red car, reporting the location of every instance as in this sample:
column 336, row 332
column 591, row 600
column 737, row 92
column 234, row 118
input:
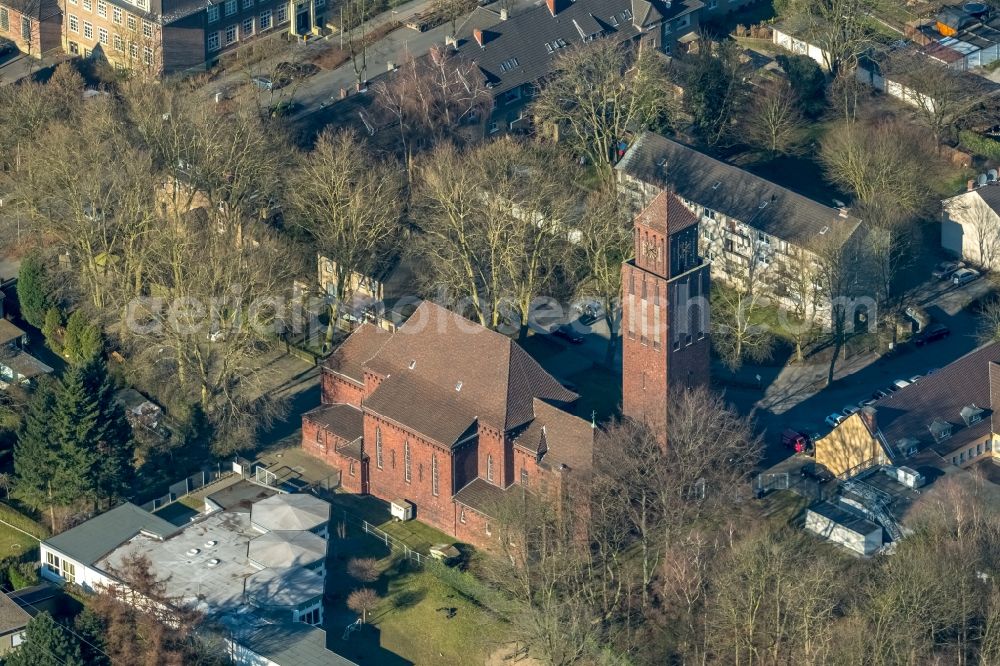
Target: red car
column 795, row 440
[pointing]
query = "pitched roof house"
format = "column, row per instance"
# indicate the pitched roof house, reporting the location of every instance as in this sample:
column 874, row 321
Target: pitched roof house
column 970, row 225
column 446, row 414
column 945, row 420
column 515, row 52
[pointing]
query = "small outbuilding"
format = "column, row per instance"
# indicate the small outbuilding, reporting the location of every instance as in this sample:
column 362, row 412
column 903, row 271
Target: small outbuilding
column 844, row 527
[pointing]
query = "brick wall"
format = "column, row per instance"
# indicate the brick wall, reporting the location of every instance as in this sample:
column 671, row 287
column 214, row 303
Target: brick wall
column 491, row 445
column 473, row 528
column 321, row 443
column 336, row 389
column 390, row 482
column 129, row 38
column 644, row 359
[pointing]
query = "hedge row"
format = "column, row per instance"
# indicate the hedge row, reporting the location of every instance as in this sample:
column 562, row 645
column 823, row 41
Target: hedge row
column 981, row 145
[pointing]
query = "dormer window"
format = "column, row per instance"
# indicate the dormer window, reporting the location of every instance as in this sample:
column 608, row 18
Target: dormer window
column 940, row 430
column 971, row 414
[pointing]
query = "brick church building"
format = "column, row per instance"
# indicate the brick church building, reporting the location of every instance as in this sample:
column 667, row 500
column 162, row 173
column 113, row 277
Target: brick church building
column 446, row 414
column 450, row 415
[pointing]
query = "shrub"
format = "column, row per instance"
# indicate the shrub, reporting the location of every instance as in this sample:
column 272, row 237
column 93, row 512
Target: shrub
column 980, row 145
column 364, row 569
column 22, row 575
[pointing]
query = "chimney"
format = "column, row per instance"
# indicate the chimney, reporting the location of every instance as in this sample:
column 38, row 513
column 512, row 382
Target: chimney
column 449, row 40
column 843, row 211
column 504, row 14
column 869, row 418
column 551, row 4
column 971, row 185
column 480, row 36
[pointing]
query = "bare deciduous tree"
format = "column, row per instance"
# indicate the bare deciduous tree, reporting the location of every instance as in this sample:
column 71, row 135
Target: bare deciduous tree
column 773, row 122
column 600, row 92
column 364, row 601
column 738, row 334
column 350, row 204
column 431, row 98
column 604, row 241
column 885, row 163
column 495, row 224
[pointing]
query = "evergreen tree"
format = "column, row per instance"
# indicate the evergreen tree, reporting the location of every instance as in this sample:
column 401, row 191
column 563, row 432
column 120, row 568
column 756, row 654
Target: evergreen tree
column 112, row 438
column 53, row 320
column 35, row 454
column 84, row 339
column 75, row 429
column 35, row 291
column 46, row 644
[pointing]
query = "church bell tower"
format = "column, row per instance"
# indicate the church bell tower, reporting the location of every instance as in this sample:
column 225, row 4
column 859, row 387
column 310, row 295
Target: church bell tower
column 665, row 312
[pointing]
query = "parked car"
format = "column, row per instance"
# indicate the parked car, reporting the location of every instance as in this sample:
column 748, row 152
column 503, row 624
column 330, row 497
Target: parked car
column 881, row 393
column 918, row 315
column 914, row 378
column 932, row 333
column 850, row 409
column 964, row 276
column 866, row 403
column 901, row 383
column 795, row 440
column 944, row 270
column 834, row 420
column 7, row 46
column 569, row 334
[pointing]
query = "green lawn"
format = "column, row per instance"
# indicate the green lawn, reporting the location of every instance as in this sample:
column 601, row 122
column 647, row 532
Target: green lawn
column 413, row 533
column 407, row 626
column 13, row 542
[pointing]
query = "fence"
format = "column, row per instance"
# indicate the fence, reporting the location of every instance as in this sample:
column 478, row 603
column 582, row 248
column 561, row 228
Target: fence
column 391, row 542
column 185, row 487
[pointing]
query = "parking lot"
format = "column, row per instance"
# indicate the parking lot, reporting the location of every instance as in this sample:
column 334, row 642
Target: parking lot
column 796, row 396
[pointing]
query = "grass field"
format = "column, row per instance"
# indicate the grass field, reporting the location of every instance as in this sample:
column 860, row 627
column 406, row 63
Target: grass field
column 411, row 624
column 413, row 533
column 13, row 542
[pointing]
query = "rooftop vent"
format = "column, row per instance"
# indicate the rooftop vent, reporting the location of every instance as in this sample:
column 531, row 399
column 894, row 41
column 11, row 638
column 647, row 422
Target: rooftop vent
column 413, row 364
column 212, row 543
column 193, row 551
column 823, row 230
column 717, row 185
column 458, row 386
column 214, row 562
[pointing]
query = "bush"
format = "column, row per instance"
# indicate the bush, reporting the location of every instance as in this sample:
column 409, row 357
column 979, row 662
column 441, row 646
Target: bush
column 980, row 145
column 52, row 330
column 22, row 575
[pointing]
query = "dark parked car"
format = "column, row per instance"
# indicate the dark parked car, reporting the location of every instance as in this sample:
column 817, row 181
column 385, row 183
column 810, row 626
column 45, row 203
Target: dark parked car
column 569, row 334
column 881, row 393
column 932, row 334
column 944, row 270
column 7, row 46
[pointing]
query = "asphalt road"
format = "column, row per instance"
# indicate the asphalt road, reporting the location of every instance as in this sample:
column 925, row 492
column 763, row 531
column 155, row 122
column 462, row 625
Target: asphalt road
column 796, row 396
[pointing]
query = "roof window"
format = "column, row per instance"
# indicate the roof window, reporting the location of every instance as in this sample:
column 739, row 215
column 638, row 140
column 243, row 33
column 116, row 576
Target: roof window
column 971, row 414
column 940, row 430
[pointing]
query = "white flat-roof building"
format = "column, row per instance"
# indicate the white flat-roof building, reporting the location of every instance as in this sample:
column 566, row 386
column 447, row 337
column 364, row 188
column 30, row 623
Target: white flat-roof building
column 260, row 562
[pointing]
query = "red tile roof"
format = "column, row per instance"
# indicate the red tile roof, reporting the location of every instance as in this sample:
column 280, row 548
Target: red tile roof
column 667, row 214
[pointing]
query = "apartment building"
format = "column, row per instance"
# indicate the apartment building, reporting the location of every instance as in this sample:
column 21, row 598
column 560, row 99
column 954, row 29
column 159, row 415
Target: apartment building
column 163, row 37
column 33, row 25
column 751, row 228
